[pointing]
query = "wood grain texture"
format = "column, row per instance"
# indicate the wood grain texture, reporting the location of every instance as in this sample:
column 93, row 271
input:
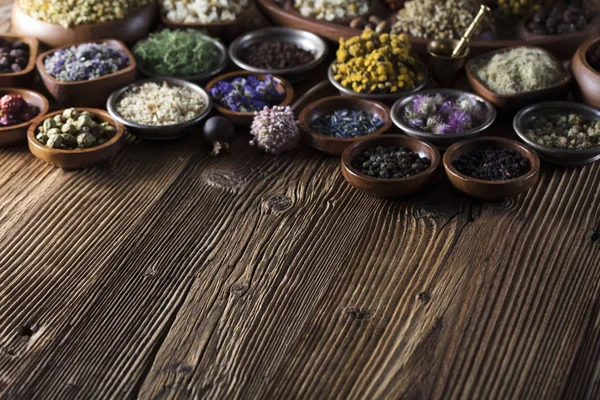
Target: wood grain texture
column 172, row 274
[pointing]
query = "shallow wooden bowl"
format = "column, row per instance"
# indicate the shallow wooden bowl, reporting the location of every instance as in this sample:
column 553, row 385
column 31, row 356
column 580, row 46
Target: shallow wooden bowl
column 129, row 29
column 588, row 79
column 491, row 190
column 92, row 92
column 558, row 91
column 394, row 187
column 22, row 78
column 226, row 30
column 241, row 118
column 79, row 158
column 18, row 133
column 328, row 105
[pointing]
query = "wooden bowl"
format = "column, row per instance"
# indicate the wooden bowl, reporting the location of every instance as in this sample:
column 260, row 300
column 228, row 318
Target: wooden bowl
column 241, row 118
column 328, row 105
column 225, row 30
column 394, row 187
column 588, row 79
column 18, row 133
column 92, row 92
column 129, row 29
column 558, row 91
column 79, row 158
column 25, row 77
column 491, row 190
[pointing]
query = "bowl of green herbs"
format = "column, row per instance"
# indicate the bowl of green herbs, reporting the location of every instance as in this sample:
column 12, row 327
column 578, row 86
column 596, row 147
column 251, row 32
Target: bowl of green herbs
column 184, row 54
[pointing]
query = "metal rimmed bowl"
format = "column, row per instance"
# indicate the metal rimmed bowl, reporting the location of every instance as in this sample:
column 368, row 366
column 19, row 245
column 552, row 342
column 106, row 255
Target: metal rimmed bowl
column 304, row 40
column 387, row 98
column 442, row 141
column 161, row 132
column 198, row 78
column 564, row 157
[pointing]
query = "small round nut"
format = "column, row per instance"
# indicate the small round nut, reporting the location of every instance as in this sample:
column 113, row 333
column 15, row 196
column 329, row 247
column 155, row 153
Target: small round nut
column 383, row 27
column 358, row 23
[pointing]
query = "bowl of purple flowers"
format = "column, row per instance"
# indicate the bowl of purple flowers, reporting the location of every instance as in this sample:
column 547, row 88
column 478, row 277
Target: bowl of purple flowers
column 238, row 95
column 443, row 116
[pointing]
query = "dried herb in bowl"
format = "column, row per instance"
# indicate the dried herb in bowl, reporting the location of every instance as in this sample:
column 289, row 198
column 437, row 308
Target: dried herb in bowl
column 203, row 11
column 492, row 164
column 390, row 162
column 565, row 131
column 177, row 53
column 13, row 56
column 276, row 54
column 345, row 124
column 247, row 93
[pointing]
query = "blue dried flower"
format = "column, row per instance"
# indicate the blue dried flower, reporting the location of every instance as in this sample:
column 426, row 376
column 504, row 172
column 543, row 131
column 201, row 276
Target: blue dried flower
column 247, row 94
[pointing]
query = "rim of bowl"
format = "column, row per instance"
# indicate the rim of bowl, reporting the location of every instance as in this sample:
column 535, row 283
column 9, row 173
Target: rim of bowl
column 34, row 48
column 403, row 102
column 223, row 61
column 378, row 96
column 116, row 95
column 490, row 54
column 585, row 47
column 318, row 103
column 347, row 163
column 289, row 91
column 520, row 121
column 511, row 144
column 40, row 119
column 252, row 37
column 43, row 110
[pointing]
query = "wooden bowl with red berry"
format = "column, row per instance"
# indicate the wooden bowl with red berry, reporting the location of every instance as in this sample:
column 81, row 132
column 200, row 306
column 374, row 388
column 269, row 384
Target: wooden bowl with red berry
column 18, row 108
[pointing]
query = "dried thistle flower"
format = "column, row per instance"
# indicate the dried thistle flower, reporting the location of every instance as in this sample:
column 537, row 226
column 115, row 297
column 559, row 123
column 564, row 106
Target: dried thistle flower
column 275, row 130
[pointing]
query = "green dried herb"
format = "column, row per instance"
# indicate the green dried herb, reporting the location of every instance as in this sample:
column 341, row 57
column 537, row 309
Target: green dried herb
column 177, row 53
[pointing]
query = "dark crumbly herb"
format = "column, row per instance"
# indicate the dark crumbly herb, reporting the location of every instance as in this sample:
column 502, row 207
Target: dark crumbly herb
column 492, row 164
column 566, row 16
column 344, row 124
column 390, row 162
column 177, row 53
column 13, row 56
column 276, row 54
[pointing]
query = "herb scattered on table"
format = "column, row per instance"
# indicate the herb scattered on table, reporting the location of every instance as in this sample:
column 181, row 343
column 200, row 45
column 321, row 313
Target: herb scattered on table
column 177, row 53
column 331, row 9
column 156, row 104
column 565, row 131
column 443, row 115
column 73, row 129
column 247, row 93
column 14, row 57
column 276, row 54
column 492, row 164
column 14, row 110
column 377, row 63
column 345, row 123
column 390, row 162
column 519, row 70
column 203, row 11
column 562, row 18
column 275, row 130
column 85, row 61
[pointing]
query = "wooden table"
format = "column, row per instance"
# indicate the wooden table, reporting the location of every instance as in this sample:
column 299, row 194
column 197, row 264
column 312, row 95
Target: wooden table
column 174, row 274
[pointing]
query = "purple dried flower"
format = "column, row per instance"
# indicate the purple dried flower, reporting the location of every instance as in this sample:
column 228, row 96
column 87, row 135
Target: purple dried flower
column 247, row 94
column 275, row 130
column 416, row 123
column 447, row 107
column 460, row 121
column 443, row 129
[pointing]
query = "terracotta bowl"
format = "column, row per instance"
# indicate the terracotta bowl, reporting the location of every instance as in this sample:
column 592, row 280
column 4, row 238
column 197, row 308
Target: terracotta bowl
column 225, row 31
column 129, row 29
column 558, row 91
column 328, row 105
column 588, row 79
column 490, row 190
column 79, row 158
column 394, row 187
column 25, row 77
column 442, row 141
column 92, row 92
column 557, row 156
column 18, row 133
column 241, row 118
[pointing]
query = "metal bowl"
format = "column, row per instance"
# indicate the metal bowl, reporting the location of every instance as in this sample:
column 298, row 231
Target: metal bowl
column 198, row 78
column 441, row 141
column 387, row 98
column 557, row 156
column 305, row 40
column 162, row 132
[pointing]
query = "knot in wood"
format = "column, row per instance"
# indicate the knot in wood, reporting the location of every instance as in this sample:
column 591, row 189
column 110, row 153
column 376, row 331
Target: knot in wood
column 423, row 297
column 224, row 180
column 278, row 204
column 595, row 236
column 358, row 314
column 238, row 289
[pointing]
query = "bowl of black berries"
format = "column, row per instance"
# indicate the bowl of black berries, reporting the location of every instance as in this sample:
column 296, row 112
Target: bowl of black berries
column 443, row 116
column 291, row 53
column 333, row 123
column 491, row 168
column 391, row 166
column 17, row 60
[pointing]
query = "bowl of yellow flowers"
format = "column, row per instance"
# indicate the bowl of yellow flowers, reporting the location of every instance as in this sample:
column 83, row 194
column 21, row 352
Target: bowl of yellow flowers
column 377, row 67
